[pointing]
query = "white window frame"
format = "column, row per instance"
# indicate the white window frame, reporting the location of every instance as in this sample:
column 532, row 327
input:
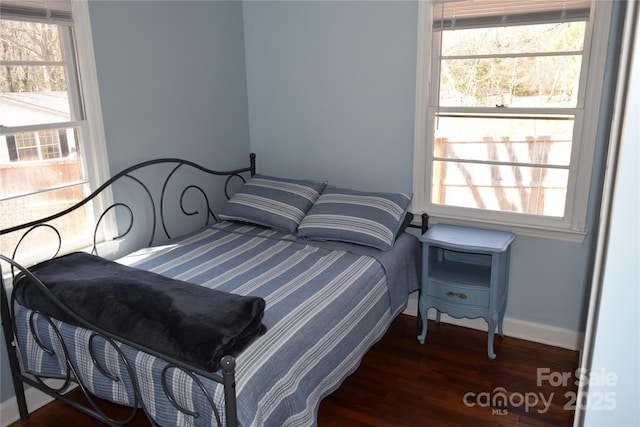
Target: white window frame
column 572, row 227
column 94, row 149
column 96, row 160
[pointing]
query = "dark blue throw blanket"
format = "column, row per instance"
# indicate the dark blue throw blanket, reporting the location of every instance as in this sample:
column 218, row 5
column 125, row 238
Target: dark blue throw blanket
column 188, row 322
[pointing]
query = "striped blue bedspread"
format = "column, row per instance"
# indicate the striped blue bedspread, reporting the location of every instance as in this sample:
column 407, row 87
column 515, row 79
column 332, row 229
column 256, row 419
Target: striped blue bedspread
column 326, row 305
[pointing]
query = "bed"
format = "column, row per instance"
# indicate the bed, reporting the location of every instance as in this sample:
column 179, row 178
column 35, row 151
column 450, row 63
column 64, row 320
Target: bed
column 312, row 276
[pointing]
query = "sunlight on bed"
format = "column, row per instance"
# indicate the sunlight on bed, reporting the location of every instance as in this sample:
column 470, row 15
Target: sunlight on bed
column 143, row 254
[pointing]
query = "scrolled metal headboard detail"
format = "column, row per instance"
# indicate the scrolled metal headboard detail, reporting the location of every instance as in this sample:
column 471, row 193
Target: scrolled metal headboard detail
column 157, row 203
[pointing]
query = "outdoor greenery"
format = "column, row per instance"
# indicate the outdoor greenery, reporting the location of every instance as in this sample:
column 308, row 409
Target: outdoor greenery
column 22, row 46
column 498, row 65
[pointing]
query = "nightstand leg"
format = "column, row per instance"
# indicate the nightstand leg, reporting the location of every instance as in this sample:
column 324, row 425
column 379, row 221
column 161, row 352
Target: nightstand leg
column 422, row 312
column 492, row 330
column 500, row 320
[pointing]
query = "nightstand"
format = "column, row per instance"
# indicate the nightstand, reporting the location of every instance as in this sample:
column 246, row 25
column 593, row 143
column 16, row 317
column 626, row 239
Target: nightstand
column 465, row 273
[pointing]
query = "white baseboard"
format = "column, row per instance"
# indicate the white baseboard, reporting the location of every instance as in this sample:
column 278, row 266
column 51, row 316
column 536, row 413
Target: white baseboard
column 35, row 400
column 516, row 328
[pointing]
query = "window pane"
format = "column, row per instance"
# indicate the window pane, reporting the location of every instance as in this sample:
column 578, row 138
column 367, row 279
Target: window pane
column 518, row 189
column 32, row 93
column 540, row 38
column 31, row 161
column 522, row 82
column 533, row 140
column 523, row 66
column 30, row 41
column 29, row 104
column 23, row 209
column 49, row 144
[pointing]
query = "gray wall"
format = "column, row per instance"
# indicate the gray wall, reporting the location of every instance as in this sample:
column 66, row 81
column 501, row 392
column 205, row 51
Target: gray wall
column 331, row 96
column 172, row 84
column 172, row 80
column 332, row 89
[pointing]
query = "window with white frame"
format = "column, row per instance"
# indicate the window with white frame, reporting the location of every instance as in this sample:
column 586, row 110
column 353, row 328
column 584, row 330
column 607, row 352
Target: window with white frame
column 52, row 150
column 506, row 103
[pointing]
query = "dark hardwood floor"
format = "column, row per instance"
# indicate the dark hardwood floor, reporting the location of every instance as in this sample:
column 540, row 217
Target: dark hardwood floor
column 448, row 381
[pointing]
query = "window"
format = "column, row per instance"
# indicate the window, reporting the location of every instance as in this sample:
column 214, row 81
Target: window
column 51, row 139
column 42, row 145
column 504, row 117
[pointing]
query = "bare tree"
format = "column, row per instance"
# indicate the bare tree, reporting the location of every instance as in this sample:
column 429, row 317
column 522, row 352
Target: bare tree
column 23, row 42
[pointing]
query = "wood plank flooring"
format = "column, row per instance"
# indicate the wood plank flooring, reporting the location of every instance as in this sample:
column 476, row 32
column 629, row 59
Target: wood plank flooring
column 448, row 381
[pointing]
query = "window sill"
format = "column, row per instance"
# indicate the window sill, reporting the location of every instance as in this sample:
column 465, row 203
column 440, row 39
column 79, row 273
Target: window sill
column 539, row 232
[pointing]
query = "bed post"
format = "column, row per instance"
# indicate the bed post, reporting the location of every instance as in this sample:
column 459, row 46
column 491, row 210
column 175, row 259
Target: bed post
column 228, row 365
column 9, row 340
column 252, row 159
column 425, row 222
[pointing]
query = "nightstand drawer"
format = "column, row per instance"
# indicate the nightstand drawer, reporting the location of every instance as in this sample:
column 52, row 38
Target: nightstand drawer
column 464, row 295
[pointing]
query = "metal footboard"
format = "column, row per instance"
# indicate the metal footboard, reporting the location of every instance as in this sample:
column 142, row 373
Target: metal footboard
column 70, row 375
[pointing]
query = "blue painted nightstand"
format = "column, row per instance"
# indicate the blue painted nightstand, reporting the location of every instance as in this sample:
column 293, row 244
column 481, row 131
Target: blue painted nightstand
column 465, row 273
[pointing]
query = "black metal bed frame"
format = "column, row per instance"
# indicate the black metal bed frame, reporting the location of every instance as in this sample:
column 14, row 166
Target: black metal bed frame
column 8, row 304
column 71, row 377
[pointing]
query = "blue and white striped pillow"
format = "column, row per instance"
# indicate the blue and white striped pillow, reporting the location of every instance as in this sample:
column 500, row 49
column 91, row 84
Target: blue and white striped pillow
column 278, row 203
column 365, row 218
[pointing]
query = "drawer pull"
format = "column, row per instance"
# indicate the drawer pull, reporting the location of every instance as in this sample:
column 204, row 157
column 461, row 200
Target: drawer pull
column 454, row 294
